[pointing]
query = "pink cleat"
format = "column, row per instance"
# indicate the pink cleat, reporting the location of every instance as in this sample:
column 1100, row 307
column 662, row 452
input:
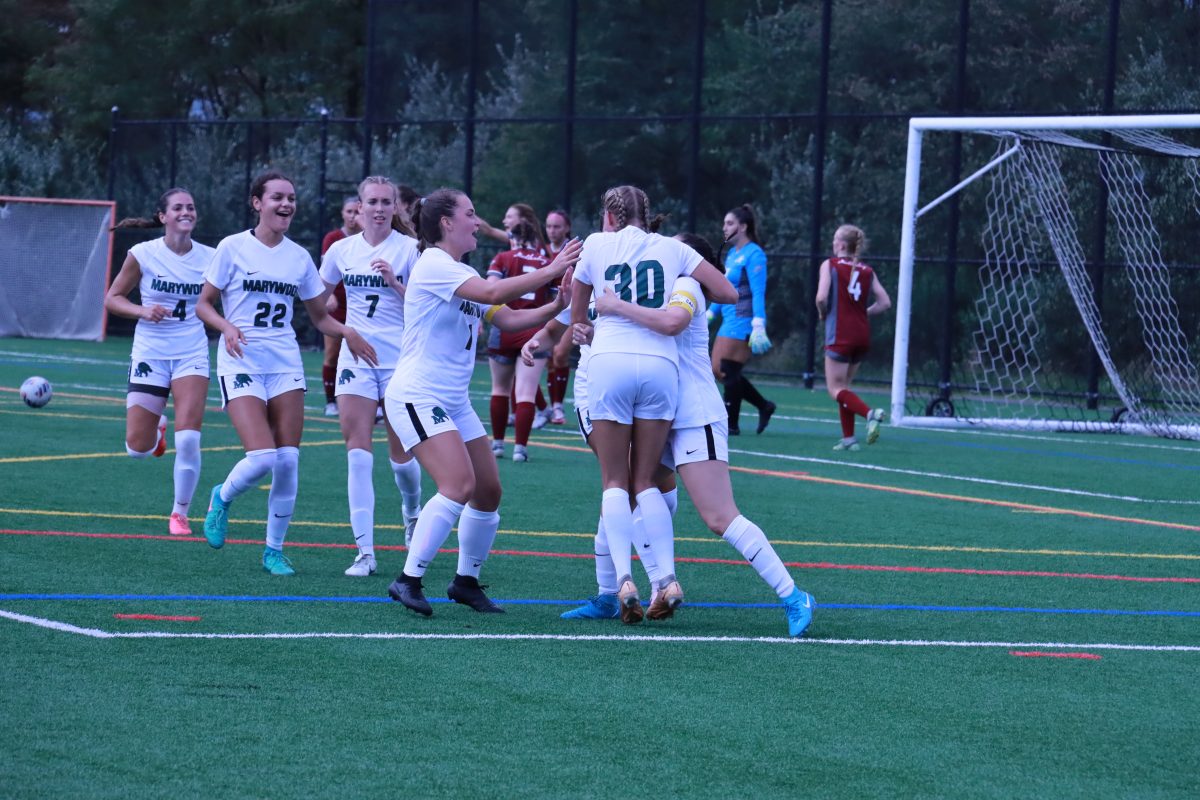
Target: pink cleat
column 178, row 526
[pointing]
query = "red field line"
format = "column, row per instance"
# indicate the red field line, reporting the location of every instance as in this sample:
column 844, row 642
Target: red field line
column 1040, row 654
column 158, row 617
column 1008, row 573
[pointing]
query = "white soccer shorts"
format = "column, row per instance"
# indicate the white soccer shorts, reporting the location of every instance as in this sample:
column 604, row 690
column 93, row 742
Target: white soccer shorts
column 704, row 443
column 263, row 385
column 622, row 386
column 361, row 380
column 416, row 422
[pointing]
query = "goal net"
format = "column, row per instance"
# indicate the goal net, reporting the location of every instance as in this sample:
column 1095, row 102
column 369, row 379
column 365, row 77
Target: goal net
column 55, row 257
column 1075, row 298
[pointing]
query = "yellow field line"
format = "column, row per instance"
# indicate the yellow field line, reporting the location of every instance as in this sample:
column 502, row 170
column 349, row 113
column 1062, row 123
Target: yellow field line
column 697, row 539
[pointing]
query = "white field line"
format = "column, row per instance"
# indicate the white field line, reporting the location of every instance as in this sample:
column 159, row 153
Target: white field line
column 563, row 637
column 964, row 478
column 43, row 357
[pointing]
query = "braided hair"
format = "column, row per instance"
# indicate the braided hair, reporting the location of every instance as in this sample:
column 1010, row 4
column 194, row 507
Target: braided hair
column 629, row 205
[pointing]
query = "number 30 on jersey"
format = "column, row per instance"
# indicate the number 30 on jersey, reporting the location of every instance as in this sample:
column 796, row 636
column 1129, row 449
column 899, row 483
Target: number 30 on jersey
column 643, row 284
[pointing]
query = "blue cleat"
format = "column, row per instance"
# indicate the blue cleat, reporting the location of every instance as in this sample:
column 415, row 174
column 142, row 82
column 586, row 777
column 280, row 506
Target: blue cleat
column 276, row 563
column 602, row 606
column 216, row 523
column 799, row 607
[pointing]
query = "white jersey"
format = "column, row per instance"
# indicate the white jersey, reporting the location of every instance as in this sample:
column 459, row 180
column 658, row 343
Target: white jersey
column 173, row 282
column 373, row 308
column 437, row 353
column 639, row 267
column 258, row 286
column 699, row 401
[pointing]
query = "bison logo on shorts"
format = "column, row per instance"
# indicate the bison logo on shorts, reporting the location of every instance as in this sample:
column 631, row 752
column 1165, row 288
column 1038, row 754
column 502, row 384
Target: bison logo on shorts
column 346, row 376
column 242, row 380
column 439, row 416
column 142, row 370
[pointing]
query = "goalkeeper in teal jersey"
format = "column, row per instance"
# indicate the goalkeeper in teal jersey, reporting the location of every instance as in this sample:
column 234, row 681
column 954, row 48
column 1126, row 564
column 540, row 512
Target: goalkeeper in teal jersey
column 743, row 330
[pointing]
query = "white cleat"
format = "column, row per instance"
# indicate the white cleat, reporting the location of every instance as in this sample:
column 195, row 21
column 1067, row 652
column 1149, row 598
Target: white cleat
column 364, row 565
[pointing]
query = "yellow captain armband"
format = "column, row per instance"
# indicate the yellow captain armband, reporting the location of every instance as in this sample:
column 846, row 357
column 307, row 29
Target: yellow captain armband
column 684, row 300
column 491, row 312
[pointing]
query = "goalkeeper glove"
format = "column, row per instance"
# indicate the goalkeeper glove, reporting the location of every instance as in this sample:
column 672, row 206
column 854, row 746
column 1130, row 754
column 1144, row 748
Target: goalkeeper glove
column 759, row 343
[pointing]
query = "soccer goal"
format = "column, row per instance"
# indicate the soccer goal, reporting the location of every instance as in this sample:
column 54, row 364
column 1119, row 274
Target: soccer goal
column 1074, row 298
column 55, row 259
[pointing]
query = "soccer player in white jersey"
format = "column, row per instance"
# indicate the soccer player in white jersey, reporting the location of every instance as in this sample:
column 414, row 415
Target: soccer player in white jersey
column 257, row 275
column 170, row 348
column 374, row 267
column 698, row 446
column 633, row 380
column 428, row 402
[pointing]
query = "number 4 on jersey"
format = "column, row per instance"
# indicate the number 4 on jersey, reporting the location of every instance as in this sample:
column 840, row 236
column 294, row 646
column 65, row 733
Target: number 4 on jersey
column 855, row 288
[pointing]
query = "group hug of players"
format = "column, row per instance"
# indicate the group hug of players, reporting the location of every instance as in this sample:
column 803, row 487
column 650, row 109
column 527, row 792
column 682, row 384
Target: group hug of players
column 637, row 303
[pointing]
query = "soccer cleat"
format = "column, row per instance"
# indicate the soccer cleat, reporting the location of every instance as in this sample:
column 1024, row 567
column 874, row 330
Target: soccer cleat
column 276, row 563
column 520, row 453
column 799, row 609
column 540, row 418
column 557, row 417
column 631, row 606
column 498, row 448
column 734, row 430
column 379, row 416
column 331, row 409
column 407, row 590
column 410, row 527
column 601, row 606
column 764, row 416
column 364, row 565
column 178, row 525
column 665, row 601
column 850, row 444
column 874, row 418
column 160, row 446
column 466, row 590
column 216, row 522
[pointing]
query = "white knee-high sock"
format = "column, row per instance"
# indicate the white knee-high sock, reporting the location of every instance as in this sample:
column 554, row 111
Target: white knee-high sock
column 659, row 531
column 360, row 489
column 437, row 518
column 606, row 573
column 408, row 481
column 618, row 527
column 645, row 550
column 749, row 540
column 246, row 474
column 281, row 502
column 137, row 453
column 187, row 469
column 476, row 532
column 671, row 498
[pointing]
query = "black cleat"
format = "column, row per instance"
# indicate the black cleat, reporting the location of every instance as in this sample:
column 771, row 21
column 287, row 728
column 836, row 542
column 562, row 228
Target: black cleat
column 734, row 430
column 466, row 590
column 407, row 590
column 764, row 416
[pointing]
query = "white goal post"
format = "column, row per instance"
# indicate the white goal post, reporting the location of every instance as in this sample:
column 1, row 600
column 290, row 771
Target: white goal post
column 55, row 260
column 1031, row 316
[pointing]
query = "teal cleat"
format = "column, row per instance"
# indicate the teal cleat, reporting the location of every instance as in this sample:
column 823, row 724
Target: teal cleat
column 602, row 606
column 216, row 523
column 799, row 607
column 276, row 563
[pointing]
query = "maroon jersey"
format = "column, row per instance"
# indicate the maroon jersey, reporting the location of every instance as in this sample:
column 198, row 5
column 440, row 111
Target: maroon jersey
column 510, row 264
column 339, row 291
column 846, row 322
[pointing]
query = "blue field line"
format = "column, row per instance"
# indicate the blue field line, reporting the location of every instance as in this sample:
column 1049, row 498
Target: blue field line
column 222, row 598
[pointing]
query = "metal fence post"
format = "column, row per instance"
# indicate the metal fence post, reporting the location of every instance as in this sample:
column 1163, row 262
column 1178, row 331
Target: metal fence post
column 321, row 199
column 112, row 151
column 816, row 246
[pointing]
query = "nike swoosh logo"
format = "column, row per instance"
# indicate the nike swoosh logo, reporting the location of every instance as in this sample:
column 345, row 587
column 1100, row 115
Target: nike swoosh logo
column 646, row 546
column 297, row 380
column 282, row 516
column 689, row 452
column 476, row 564
column 248, row 272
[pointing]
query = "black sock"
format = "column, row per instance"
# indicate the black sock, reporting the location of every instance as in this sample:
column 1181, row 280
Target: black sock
column 733, row 390
column 751, row 394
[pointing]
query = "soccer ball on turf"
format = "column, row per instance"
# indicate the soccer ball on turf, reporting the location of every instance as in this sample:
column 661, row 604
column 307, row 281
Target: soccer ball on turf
column 36, row 391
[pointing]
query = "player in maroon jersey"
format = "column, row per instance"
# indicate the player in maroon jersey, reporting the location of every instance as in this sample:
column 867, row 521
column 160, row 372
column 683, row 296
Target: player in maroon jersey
column 848, row 292
column 336, row 302
column 504, row 347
